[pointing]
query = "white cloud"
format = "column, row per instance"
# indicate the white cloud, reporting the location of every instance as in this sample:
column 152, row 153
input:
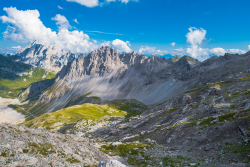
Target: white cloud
column 94, row 41
column 236, row 51
column 195, row 38
column 152, row 51
column 249, row 47
column 173, row 44
column 75, row 20
column 123, row 1
column 118, row 44
column 60, row 7
column 121, row 46
column 218, row 51
column 25, row 26
column 61, row 21
column 88, row 3
column 94, row 3
column 11, row 50
column 179, row 51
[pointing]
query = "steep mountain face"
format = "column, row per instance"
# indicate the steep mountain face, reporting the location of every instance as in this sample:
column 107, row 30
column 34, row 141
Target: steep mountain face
column 106, row 74
column 44, row 56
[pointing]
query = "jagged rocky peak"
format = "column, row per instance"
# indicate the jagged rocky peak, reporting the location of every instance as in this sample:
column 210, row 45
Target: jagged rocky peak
column 187, row 62
column 105, row 54
column 50, row 57
column 107, row 59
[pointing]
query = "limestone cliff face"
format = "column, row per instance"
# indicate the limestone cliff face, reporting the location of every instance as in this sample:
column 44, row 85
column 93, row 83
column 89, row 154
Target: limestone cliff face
column 44, row 56
column 109, row 75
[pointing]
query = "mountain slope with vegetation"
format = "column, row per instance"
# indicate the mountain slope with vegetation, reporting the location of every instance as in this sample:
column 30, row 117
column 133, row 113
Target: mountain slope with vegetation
column 15, row 77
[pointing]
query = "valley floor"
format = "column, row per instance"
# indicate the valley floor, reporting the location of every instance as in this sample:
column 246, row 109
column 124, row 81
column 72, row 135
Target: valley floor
column 8, row 115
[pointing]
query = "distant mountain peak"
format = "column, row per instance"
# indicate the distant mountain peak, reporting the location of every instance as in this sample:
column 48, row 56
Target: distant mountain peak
column 36, row 42
column 175, row 58
column 50, row 57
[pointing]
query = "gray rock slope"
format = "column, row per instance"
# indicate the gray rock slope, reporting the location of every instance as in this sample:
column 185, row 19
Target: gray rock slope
column 109, row 75
column 21, row 146
column 44, row 56
column 205, row 126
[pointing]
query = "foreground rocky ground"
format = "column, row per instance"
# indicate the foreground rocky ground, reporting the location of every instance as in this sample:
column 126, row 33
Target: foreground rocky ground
column 21, row 146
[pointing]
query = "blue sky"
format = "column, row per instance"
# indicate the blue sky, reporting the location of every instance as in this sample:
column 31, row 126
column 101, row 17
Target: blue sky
column 145, row 26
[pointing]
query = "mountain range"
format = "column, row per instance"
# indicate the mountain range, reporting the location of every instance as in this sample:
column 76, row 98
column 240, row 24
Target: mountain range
column 148, row 111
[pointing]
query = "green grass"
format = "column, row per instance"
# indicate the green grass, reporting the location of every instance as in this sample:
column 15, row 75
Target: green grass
column 43, row 149
column 132, row 106
column 246, row 77
column 175, row 58
column 171, row 110
column 26, row 150
column 74, row 114
column 73, row 160
column 11, row 88
column 131, row 151
column 208, row 121
column 3, row 154
column 228, row 116
column 241, row 150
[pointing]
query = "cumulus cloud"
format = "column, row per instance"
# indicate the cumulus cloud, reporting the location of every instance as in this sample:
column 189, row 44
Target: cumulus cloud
column 60, row 7
column 173, row 44
column 239, row 51
column 88, row 3
column 152, row 51
column 10, row 50
column 195, row 38
column 121, row 46
column 249, row 47
column 218, row 51
column 61, row 21
column 25, row 26
column 75, row 20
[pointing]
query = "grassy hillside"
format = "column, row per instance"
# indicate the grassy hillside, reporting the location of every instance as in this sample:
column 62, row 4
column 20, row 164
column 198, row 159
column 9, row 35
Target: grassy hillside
column 175, row 58
column 12, row 84
column 89, row 112
column 132, row 106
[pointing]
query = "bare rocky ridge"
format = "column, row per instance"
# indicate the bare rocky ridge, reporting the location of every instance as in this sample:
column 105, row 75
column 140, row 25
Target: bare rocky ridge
column 44, row 56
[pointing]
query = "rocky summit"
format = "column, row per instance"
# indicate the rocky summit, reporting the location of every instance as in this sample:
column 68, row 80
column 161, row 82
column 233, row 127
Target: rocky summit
column 44, row 56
